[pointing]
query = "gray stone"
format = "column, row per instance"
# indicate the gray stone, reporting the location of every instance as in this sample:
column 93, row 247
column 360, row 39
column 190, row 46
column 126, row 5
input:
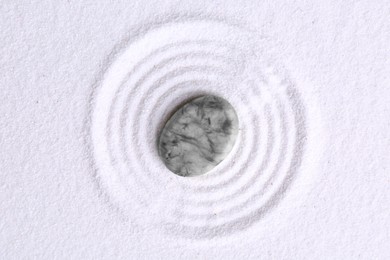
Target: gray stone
column 198, row 136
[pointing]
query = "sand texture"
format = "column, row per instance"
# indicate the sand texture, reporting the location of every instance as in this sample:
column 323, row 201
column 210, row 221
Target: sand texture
column 194, row 129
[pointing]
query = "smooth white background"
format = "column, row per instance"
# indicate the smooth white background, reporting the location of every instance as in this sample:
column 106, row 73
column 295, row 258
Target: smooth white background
column 51, row 53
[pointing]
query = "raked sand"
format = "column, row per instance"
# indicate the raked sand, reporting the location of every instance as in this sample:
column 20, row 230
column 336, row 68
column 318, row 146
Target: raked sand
column 87, row 87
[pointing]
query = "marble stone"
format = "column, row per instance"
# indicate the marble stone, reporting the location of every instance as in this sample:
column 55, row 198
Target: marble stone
column 198, row 136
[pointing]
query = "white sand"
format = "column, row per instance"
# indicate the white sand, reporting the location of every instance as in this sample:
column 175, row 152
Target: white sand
column 86, row 87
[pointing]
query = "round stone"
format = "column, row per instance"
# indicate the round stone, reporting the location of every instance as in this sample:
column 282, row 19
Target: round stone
column 198, row 136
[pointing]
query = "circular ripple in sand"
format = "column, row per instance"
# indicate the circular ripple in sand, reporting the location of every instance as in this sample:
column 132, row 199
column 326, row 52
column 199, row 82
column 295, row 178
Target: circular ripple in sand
column 157, row 73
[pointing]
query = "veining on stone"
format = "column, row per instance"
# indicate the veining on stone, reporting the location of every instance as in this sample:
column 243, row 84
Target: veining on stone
column 198, row 136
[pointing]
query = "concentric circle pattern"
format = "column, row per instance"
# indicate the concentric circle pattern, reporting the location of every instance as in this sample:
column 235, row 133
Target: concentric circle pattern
column 158, row 72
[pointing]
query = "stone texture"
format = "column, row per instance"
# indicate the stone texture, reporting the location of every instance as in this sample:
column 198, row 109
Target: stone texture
column 198, row 136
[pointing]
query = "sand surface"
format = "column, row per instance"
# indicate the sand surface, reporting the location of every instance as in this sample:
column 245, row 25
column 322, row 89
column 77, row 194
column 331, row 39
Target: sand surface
column 85, row 87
